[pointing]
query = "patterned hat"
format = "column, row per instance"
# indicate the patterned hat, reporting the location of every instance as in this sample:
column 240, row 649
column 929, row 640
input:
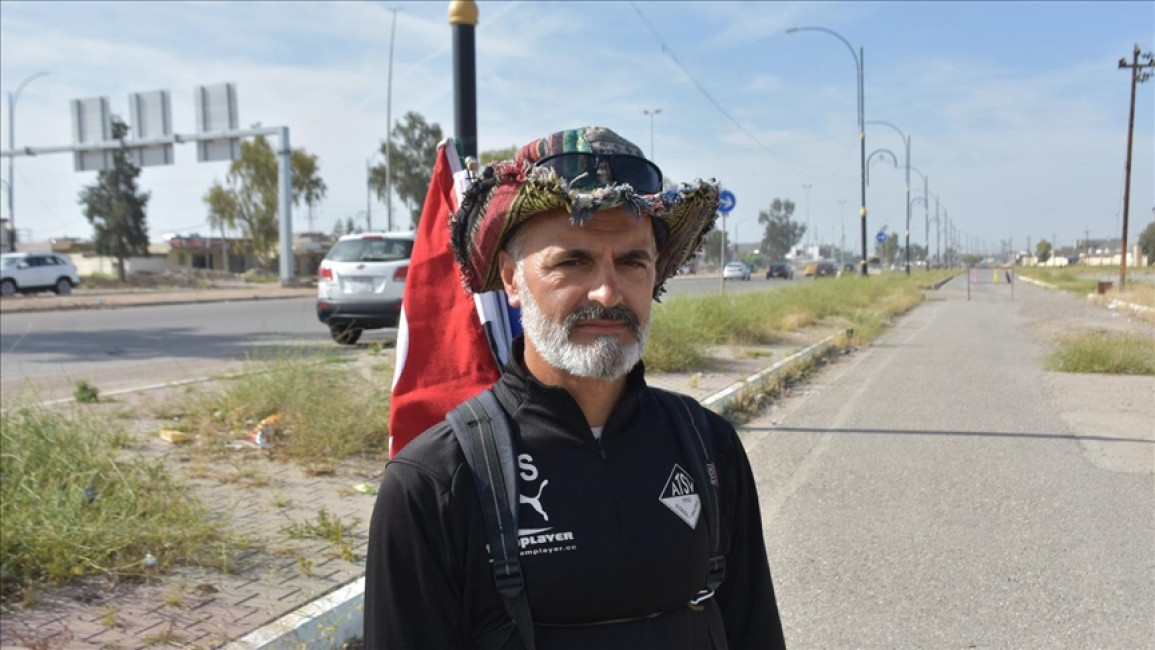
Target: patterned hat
column 510, row 192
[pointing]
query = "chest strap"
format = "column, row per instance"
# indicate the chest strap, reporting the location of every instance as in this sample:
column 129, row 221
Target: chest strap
column 483, row 432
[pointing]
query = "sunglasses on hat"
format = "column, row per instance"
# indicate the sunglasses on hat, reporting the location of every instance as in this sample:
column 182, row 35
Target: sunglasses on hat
column 586, row 171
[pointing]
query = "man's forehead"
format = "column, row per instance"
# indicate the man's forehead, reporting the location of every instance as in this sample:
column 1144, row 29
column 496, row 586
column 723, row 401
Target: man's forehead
column 607, row 226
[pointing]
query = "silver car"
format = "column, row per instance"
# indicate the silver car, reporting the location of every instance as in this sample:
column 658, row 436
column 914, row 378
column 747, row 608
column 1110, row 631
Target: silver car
column 360, row 283
column 33, row 272
column 736, row 271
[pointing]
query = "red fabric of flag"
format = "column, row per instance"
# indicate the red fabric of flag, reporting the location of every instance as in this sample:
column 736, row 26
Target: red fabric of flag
column 443, row 357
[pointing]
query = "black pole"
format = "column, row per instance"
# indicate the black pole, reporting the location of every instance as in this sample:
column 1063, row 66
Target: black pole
column 862, row 151
column 463, row 17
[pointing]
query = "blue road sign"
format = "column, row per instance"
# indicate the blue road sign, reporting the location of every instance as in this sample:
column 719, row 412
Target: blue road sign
column 726, row 201
column 880, row 237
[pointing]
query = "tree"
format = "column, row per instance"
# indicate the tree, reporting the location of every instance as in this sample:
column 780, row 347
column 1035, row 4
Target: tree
column 248, row 199
column 498, row 155
column 116, row 209
column 338, row 230
column 412, row 155
column 1043, row 251
column 887, row 250
column 306, row 182
column 781, row 234
column 712, row 245
column 1147, row 242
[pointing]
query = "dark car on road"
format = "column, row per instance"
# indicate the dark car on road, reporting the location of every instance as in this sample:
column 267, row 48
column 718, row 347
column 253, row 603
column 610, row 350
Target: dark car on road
column 782, row 270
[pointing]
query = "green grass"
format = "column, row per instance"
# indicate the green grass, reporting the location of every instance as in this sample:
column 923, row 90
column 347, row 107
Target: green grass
column 1104, row 353
column 327, row 411
column 71, row 505
column 684, row 328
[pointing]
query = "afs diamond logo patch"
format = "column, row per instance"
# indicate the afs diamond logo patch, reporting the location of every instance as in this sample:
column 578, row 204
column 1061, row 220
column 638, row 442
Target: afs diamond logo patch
column 679, row 496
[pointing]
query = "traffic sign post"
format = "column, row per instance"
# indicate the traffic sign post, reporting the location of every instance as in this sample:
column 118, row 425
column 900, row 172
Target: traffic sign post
column 880, row 237
column 726, row 203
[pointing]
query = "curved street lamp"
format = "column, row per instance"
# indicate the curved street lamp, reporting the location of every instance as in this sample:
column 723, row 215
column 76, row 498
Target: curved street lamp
column 906, row 144
column 876, row 152
column 12, row 98
column 858, row 65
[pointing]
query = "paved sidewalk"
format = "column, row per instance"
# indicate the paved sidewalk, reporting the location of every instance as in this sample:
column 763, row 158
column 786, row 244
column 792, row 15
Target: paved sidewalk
column 942, row 490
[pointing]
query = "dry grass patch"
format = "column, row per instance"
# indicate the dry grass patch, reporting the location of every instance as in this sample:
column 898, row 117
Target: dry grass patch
column 1104, row 353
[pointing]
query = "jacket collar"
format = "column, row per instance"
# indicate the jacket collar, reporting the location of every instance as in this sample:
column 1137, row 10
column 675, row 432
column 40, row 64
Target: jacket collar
column 523, row 396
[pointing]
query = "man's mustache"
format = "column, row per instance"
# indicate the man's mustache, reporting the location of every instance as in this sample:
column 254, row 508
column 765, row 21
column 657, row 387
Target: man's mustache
column 619, row 313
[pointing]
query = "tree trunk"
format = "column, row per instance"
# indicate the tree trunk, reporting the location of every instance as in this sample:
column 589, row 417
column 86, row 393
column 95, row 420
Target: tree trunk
column 120, row 268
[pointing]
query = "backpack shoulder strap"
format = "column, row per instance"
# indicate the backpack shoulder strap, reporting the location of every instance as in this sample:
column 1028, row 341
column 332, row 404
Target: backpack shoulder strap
column 483, row 431
column 697, row 441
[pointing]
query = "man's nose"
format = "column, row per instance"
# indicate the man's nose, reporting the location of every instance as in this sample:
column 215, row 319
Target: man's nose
column 606, row 290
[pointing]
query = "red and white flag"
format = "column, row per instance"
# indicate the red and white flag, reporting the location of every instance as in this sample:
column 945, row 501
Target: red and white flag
column 444, row 353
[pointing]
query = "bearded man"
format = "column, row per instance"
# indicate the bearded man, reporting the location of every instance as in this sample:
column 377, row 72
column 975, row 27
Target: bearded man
column 579, row 233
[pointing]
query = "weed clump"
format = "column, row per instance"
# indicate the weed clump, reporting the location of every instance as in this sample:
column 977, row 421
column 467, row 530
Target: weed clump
column 1104, row 353
column 72, row 506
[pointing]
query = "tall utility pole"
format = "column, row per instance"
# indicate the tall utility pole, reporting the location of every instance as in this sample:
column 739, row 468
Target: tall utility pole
column 1138, row 76
column 388, row 134
column 12, row 97
column 652, row 113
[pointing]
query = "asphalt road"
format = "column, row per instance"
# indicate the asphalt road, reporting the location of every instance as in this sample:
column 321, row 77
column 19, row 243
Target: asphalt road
column 44, row 353
column 926, row 493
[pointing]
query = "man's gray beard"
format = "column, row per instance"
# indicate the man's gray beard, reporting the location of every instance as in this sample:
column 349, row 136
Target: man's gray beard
column 605, row 358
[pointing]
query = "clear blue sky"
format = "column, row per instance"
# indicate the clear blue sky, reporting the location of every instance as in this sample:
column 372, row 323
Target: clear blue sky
column 1016, row 110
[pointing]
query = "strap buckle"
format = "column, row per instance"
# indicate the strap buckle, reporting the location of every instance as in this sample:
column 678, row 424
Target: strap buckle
column 717, row 572
column 507, row 574
column 701, row 597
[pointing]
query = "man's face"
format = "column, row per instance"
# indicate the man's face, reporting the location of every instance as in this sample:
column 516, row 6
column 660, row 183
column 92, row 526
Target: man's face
column 585, row 291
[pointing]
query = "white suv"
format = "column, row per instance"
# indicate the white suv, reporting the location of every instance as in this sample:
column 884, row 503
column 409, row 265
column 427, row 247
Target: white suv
column 360, row 283
column 32, row 272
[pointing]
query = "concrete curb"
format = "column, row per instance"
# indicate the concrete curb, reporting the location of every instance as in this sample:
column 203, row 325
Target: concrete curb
column 339, row 616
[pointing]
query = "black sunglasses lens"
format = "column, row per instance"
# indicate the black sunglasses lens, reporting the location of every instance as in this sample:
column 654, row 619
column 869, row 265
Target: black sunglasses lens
column 639, row 173
column 581, row 171
column 578, row 169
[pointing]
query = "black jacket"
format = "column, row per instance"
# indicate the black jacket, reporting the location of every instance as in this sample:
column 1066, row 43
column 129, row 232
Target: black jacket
column 609, row 554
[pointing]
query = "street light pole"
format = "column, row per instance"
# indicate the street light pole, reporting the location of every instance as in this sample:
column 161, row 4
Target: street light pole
column 925, row 214
column 906, row 144
column 389, row 129
column 807, row 187
column 652, row 113
column 859, row 62
column 12, row 98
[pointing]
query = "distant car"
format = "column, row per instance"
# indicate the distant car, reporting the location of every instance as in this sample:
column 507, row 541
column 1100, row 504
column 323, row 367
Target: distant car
column 826, row 269
column 360, row 283
column 782, row 270
column 736, row 271
column 33, row 272
column 820, row 269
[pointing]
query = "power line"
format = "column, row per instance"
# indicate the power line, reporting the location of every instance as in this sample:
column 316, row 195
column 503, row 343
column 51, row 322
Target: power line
column 721, row 109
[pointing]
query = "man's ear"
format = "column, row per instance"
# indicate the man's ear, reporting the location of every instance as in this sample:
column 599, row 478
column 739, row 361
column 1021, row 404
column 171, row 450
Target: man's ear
column 508, row 269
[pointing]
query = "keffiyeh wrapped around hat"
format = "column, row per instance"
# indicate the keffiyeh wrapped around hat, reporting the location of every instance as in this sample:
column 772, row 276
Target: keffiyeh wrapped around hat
column 510, row 192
